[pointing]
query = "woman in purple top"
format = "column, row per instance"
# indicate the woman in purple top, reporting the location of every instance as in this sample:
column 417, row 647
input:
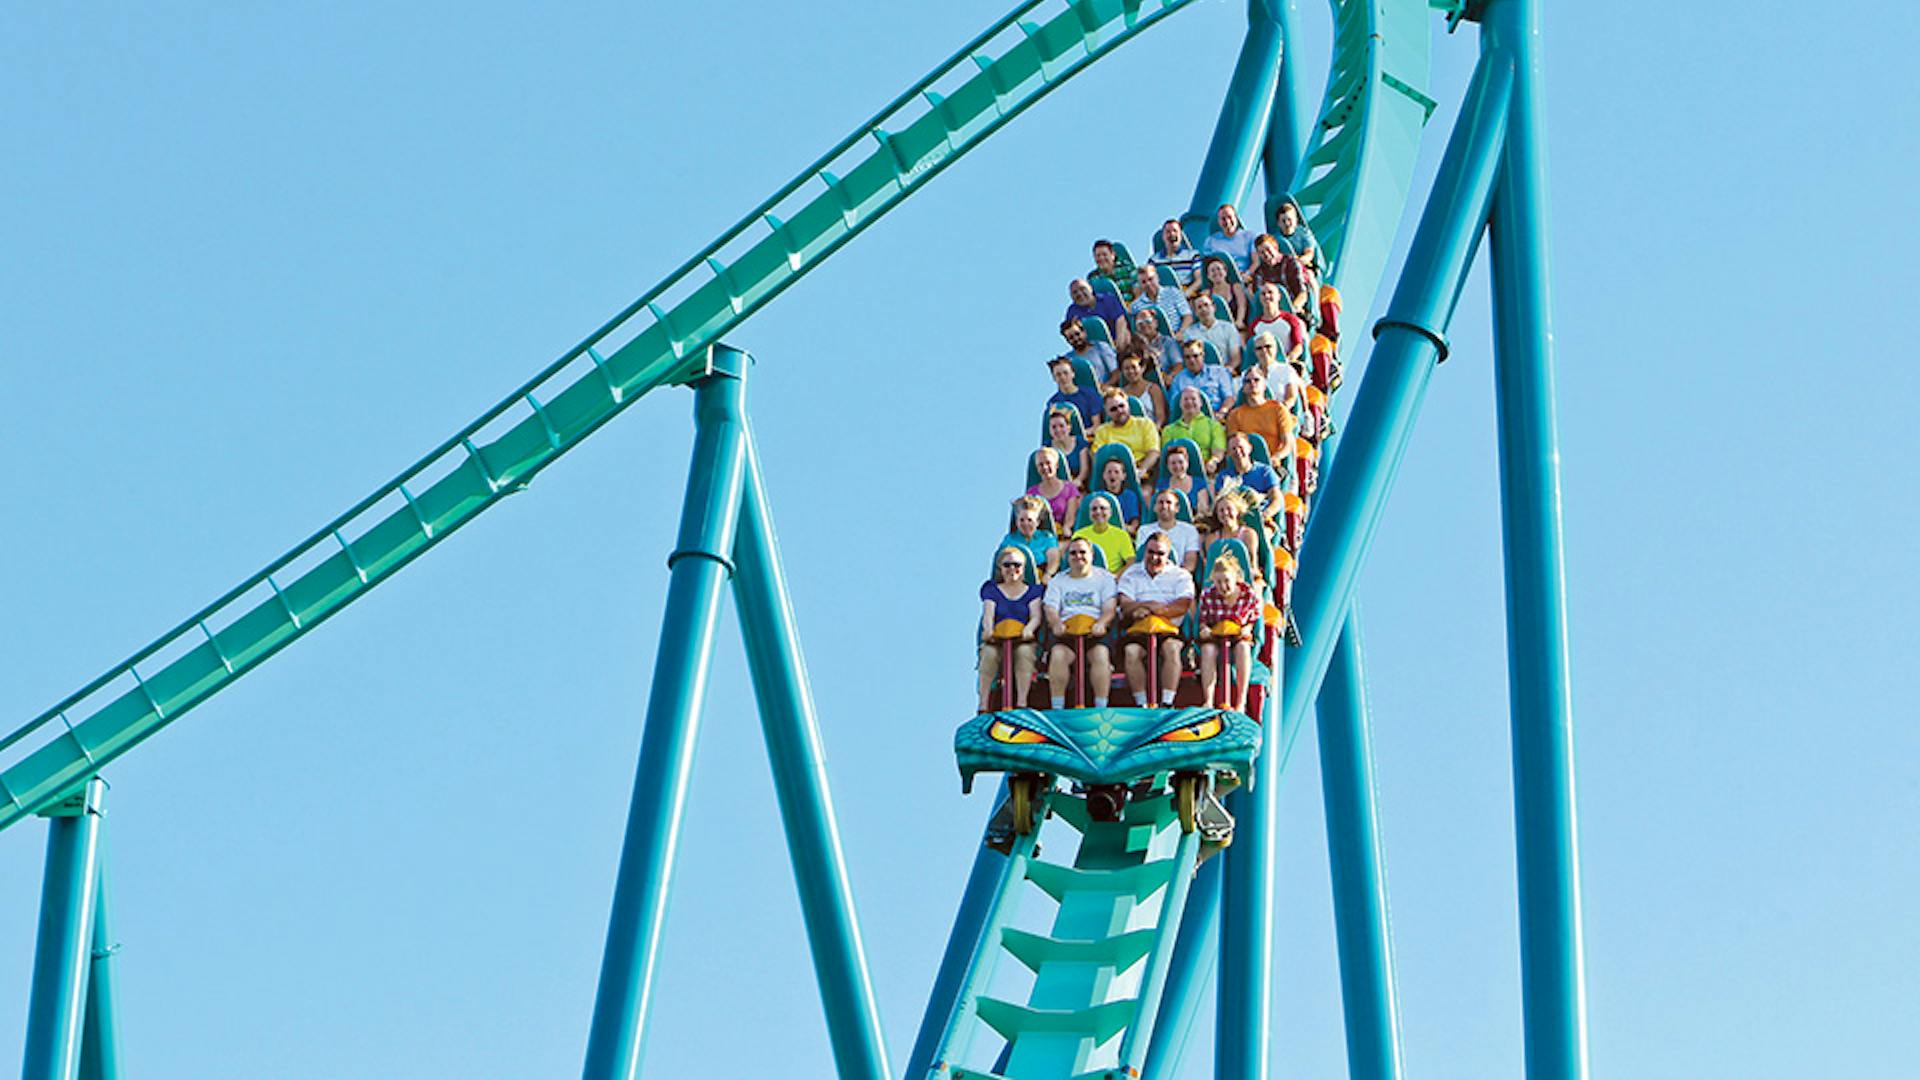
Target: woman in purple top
column 1062, row 497
column 1010, row 595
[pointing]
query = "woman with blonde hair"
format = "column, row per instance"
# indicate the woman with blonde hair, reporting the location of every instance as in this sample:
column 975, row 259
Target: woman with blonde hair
column 1230, row 508
column 1230, row 610
column 1061, row 495
column 1009, row 612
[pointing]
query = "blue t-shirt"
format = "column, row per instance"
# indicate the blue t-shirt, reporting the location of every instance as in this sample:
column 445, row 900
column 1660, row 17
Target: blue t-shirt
column 1036, row 548
column 1107, row 306
column 1003, row 608
column 1129, row 504
column 1213, row 382
column 1258, row 477
column 1084, row 399
column 1238, row 247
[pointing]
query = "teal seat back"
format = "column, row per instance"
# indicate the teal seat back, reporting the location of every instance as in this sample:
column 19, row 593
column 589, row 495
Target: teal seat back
column 1096, row 328
column 1136, row 407
column 1226, row 545
column 993, row 570
column 1213, row 354
column 1196, row 465
column 1073, row 416
column 1085, row 519
column 1221, row 310
column 1114, row 452
column 1103, row 284
column 1168, row 279
column 1047, row 524
column 1184, row 511
column 1062, row 470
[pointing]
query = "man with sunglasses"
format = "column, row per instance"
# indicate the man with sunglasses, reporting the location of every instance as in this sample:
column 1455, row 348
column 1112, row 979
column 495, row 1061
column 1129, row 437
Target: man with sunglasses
column 1083, row 589
column 1155, row 586
column 1136, row 433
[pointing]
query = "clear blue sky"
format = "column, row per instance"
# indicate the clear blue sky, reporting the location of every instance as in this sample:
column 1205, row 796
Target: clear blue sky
column 258, row 259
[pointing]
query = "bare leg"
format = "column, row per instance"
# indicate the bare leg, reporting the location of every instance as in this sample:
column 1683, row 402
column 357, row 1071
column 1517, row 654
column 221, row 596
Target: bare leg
column 1209, row 674
column 989, row 667
column 1242, row 673
column 1169, row 668
column 1059, row 671
column 1137, row 672
column 1100, row 672
column 1023, row 664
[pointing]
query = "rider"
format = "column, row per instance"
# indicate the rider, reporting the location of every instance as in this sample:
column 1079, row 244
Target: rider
column 1166, row 522
column 1084, row 589
column 1008, row 596
column 1228, row 598
column 1155, row 586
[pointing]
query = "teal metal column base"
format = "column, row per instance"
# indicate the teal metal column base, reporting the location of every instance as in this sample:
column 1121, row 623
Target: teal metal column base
column 56, row 1009
column 700, row 567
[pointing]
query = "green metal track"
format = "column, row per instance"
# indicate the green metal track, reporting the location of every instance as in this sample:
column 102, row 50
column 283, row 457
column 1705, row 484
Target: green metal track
column 661, row 339
column 1098, row 971
column 1355, row 177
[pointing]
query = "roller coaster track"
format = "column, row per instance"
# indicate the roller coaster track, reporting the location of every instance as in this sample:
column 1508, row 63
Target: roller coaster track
column 661, row 339
column 1099, row 975
column 1120, row 903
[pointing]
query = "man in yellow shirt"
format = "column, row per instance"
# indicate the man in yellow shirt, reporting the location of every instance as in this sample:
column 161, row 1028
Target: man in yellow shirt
column 1136, row 433
column 1106, row 532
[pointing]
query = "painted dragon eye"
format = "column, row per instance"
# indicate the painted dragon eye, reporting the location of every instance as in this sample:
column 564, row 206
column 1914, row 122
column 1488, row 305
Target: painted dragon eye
column 1205, row 729
column 1001, row 731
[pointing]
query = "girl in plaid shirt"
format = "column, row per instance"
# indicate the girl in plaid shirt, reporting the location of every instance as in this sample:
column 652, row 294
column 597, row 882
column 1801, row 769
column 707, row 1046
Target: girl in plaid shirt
column 1228, row 598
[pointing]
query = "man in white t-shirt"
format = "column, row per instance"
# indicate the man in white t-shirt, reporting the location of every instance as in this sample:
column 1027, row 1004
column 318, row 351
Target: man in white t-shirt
column 1084, row 589
column 1182, row 535
column 1156, row 585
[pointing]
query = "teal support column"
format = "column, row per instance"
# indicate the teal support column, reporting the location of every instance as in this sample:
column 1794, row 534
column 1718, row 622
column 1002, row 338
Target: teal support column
column 1194, row 952
column 1410, row 342
column 699, row 570
column 800, row 782
column 1552, row 961
column 1361, row 931
column 984, row 882
column 1243, row 1013
column 1239, row 136
column 56, row 1007
column 1286, row 129
column 100, row 1043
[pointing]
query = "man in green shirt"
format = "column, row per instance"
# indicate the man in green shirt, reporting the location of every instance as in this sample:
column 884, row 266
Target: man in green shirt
column 1207, row 433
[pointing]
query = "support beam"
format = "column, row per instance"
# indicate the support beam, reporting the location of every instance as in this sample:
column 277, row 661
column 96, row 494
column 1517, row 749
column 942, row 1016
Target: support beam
column 699, row 568
column 1243, row 1013
column 799, row 763
column 1239, row 136
column 100, row 1045
column 1286, row 135
column 1410, row 342
column 1361, row 930
column 1194, row 953
column 56, row 1009
column 1552, row 961
column 984, row 882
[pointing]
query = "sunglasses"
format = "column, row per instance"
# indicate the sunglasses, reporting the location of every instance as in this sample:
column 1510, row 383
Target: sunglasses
column 1012, row 565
